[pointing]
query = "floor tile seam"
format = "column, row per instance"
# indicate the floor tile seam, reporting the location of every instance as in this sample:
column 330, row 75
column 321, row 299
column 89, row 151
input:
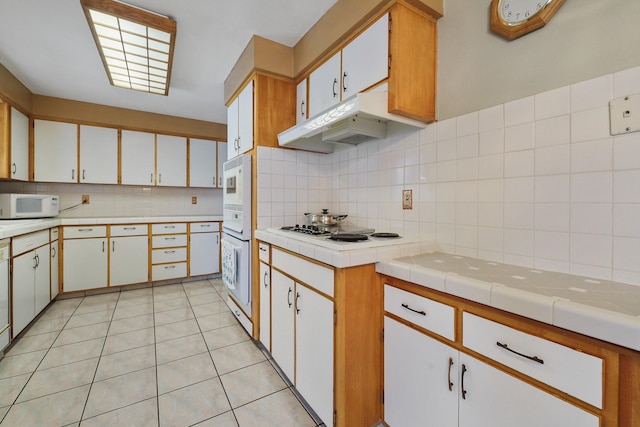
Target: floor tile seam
column 244, row 367
column 15, row 402
column 262, row 397
column 215, row 416
column 155, row 355
column 67, row 363
column 103, row 354
column 118, row 409
column 84, row 326
column 175, row 338
column 188, row 385
column 128, row 332
column 79, row 341
column 182, row 358
column 171, row 322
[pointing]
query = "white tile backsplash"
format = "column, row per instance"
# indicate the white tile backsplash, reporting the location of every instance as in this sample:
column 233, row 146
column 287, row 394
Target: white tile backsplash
column 537, row 181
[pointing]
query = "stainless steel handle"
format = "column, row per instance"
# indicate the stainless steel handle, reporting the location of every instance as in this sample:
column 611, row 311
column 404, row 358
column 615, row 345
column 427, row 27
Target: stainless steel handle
column 103, row 246
column 169, row 226
column 151, row 180
column 35, row 262
column 73, row 174
column 335, row 82
column 289, row 297
column 15, row 168
column 130, row 228
column 169, row 267
column 264, row 279
column 159, row 178
column 83, row 174
column 302, row 111
column 169, row 252
column 344, row 81
column 84, row 230
column 297, row 304
column 169, row 238
column 113, row 246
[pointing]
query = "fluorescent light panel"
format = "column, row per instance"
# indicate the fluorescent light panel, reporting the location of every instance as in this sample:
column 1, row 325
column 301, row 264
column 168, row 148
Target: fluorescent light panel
column 136, row 46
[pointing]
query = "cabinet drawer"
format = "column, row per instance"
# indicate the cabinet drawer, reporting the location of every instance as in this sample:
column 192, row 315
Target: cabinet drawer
column 86, row 231
column 174, row 228
column 263, row 252
column 564, row 368
column 160, row 256
column 169, row 241
column 304, row 271
column 169, row 271
column 434, row 316
column 22, row 244
column 239, row 314
column 129, row 230
column 204, row 227
column 54, row 234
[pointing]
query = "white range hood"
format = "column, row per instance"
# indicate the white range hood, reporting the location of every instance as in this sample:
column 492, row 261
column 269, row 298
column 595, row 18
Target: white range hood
column 357, row 119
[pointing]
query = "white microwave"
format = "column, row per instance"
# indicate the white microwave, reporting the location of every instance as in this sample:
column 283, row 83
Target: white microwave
column 14, row 206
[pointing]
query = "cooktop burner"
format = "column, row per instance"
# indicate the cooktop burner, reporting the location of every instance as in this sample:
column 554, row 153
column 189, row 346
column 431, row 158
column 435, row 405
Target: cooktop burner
column 348, row 237
column 306, row 229
column 385, row 235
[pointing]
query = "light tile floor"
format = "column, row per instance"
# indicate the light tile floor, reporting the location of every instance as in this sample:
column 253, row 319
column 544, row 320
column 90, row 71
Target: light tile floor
column 165, row 356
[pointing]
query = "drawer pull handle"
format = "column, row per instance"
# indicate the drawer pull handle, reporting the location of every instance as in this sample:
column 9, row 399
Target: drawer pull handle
column 463, row 391
column 82, row 230
column 169, row 252
column 534, row 358
column 449, row 375
column 263, row 249
column 169, row 226
column 169, row 238
column 289, row 297
column 130, row 228
column 421, row 312
column 170, row 267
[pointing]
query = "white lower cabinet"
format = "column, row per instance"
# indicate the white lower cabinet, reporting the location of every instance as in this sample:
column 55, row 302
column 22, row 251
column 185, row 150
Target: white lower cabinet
column 128, row 260
column 204, row 248
column 265, row 305
column 84, row 260
column 302, row 331
column 55, row 257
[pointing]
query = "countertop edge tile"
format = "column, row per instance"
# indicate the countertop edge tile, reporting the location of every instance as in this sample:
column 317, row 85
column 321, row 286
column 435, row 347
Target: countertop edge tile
column 468, row 288
column 527, row 304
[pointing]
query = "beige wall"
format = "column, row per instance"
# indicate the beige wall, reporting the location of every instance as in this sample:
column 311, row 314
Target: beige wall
column 477, row 69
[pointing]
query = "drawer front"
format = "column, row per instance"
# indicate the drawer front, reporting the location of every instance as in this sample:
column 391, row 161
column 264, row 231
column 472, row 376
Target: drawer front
column 129, row 230
column 169, row 241
column 169, row 271
column 239, row 314
column 22, row 244
column 564, row 368
column 85, row 231
column 205, row 227
column 54, row 234
column 434, row 316
column 315, row 275
column 159, row 256
column 175, row 228
column 263, row 252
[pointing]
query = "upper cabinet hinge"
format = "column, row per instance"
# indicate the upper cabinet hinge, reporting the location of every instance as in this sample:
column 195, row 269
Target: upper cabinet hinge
column 390, row 23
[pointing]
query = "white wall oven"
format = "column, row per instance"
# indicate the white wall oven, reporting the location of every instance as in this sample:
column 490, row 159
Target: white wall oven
column 236, row 236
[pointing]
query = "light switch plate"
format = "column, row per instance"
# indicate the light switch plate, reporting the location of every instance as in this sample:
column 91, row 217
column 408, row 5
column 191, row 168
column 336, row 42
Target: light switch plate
column 624, row 114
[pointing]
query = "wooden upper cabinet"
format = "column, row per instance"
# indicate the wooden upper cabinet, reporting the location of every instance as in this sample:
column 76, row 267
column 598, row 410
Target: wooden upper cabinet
column 412, row 63
column 98, row 155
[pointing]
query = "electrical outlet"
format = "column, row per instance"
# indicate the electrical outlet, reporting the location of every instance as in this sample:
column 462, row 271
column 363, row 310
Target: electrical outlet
column 85, row 199
column 194, row 200
column 407, row 199
column 624, row 114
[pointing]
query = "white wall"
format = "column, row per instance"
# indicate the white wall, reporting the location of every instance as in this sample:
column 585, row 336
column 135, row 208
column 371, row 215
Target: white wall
column 478, row 69
column 537, row 182
column 123, row 200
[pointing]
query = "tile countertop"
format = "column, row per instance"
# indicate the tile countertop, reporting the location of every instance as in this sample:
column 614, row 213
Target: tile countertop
column 342, row 254
column 606, row 310
column 16, row 227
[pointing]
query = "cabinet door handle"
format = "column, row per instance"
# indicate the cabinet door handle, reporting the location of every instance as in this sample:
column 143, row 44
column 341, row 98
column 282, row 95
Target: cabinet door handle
column 302, row 109
column 335, row 82
column 103, row 246
column 344, row 81
column 53, row 254
column 83, row 174
column 463, row 391
column 113, row 246
column 14, row 168
column 73, row 174
column 151, row 179
column 159, row 178
column 421, row 312
column 533, row 358
column 297, row 304
column 289, row 297
column 264, row 279
column 449, row 375
column 35, row 262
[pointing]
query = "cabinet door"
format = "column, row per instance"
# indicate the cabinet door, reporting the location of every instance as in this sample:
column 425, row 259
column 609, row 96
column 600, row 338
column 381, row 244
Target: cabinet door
column 98, row 155
column 494, row 398
column 324, row 86
column 23, row 291
column 282, row 337
column 301, row 101
column 172, row 161
column 265, row 305
column 232, row 129
column 204, row 255
column 128, row 260
column 365, row 61
column 19, row 145
column 202, row 163
column 222, row 157
column 417, row 373
column 245, row 119
column 84, row 264
column 55, row 151
column 54, row 269
column 138, row 158
column 42, row 278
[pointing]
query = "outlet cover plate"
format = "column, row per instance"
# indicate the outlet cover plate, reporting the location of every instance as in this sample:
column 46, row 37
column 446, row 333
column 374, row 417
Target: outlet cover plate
column 407, row 199
column 624, row 114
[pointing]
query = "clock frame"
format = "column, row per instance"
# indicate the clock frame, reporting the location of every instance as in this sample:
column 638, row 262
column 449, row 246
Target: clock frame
column 515, row 30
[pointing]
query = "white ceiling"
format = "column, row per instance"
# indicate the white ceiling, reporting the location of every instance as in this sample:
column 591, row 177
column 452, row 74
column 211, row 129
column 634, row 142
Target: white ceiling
column 48, row 46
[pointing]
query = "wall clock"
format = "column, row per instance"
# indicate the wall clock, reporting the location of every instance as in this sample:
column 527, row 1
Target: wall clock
column 515, row 18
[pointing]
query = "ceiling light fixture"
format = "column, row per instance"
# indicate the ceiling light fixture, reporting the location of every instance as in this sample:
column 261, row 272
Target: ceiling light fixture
column 136, row 45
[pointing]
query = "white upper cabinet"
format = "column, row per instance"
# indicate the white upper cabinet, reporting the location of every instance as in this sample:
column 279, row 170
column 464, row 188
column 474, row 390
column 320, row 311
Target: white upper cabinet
column 365, row 61
column 138, row 161
column 172, row 161
column 240, row 123
column 55, row 151
column 98, row 155
column 19, row 145
column 222, row 157
column 203, row 163
column 301, row 101
column 324, row 86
